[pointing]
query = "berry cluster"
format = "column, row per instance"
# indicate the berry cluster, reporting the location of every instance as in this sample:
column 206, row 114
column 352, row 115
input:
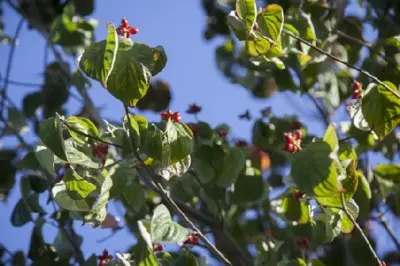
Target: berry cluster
column 175, row 117
column 125, row 30
column 104, row 258
column 191, row 240
column 193, row 109
column 357, row 90
column 302, row 242
column 158, row 247
column 100, row 151
column 293, row 141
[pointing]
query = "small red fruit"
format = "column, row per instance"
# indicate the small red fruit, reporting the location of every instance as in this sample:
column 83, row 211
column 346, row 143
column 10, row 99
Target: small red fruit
column 357, row 90
column 124, row 22
column 289, row 147
column 302, row 242
column 222, row 133
column 176, row 117
column 193, row 109
column 191, row 240
column 298, row 195
column 158, row 247
column 288, row 137
column 104, row 258
column 133, row 30
column 298, row 134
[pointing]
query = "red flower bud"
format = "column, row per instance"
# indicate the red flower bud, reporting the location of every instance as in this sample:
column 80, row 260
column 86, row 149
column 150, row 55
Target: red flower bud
column 298, row 195
column 302, row 242
column 222, row 133
column 288, row 137
column 241, row 143
column 191, row 240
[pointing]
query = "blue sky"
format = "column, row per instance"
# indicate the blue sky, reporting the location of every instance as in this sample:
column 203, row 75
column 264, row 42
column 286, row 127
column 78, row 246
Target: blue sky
column 191, row 72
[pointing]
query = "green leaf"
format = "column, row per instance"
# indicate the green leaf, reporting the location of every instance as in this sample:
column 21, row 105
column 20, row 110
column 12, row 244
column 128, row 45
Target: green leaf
column 237, row 26
column 167, row 147
column 347, row 224
column 314, row 172
column 346, row 152
column 295, row 210
column 63, row 245
column 306, row 26
column 270, row 21
column 45, row 158
column 143, row 255
column 99, row 59
column 247, row 12
column 331, row 138
column 363, row 195
column 63, row 198
column 18, row 259
column 185, row 259
column 134, row 196
column 33, row 203
column 249, row 188
column 50, row 132
column 38, row 183
column 177, row 169
column 233, row 164
column 83, row 125
column 28, row 162
column 381, row 109
column 77, row 187
column 295, row 262
column 134, row 127
column 388, row 171
column 15, row 122
column 163, row 229
column 31, row 103
column 130, row 79
column 21, row 214
column 75, row 156
column 258, row 45
column 154, row 59
column 327, row 226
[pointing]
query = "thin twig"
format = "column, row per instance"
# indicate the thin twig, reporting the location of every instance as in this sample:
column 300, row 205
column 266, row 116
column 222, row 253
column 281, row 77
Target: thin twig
column 90, row 136
column 345, row 63
column 9, row 64
column 22, row 84
column 369, row 46
column 388, row 229
column 324, row 114
column 172, row 203
column 359, row 230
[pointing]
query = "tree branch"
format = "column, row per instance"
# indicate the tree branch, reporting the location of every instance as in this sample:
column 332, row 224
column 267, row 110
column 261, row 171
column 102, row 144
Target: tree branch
column 345, row 63
column 159, row 188
column 359, row 229
column 388, row 229
column 9, row 64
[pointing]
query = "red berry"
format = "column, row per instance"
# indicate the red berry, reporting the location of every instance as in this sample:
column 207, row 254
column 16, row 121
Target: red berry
column 356, row 85
column 158, row 247
column 288, row 137
column 298, row 195
column 191, row 240
column 133, row 30
column 298, row 134
column 222, row 133
column 193, row 109
column 289, row 147
column 166, row 115
column 124, row 22
column 176, row 117
column 302, row 242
